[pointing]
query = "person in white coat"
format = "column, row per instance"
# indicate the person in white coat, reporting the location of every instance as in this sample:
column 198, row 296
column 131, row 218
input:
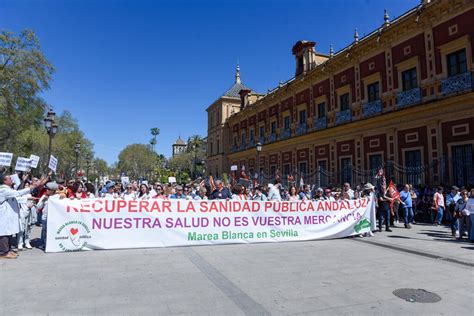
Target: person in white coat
column 10, row 214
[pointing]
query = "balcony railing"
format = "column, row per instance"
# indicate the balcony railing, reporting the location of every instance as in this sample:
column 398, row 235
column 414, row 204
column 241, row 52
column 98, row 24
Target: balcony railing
column 272, row 138
column 285, row 133
column 456, row 84
column 261, row 140
column 235, row 148
column 301, row 129
column 344, row 116
column 320, row 122
column 251, row 143
column 243, row 146
column 409, row 97
column 372, row 108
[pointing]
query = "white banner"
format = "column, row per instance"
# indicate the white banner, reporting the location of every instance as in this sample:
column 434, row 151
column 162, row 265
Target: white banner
column 6, row 159
column 112, row 224
column 22, row 164
column 34, row 161
column 53, row 163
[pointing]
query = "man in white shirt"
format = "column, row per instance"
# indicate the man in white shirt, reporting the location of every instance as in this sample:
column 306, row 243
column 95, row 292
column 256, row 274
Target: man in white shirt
column 274, row 191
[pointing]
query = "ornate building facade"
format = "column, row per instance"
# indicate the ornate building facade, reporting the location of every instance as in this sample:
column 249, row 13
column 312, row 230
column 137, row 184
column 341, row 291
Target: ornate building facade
column 178, row 147
column 400, row 98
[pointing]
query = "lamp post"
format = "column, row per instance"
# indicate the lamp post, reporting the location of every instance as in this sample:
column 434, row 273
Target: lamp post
column 88, row 165
column 77, row 149
column 51, row 129
column 259, row 149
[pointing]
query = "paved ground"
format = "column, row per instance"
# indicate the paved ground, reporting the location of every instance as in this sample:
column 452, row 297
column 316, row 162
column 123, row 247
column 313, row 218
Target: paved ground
column 351, row 276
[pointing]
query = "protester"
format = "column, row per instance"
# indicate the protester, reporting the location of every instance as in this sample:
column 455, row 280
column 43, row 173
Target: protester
column 259, row 195
column 221, row 192
column 306, row 194
column 470, row 208
column 77, row 191
column 383, row 208
column 201, row 194
column 109, row 191
column 451, row 200
column 239, row 194
column 406, row 201
column 43, row 204
column 438, row 201
column 10, row 213
column 293, row 194
column 462, row 213
column 143, row 194
column 274, row 191
column 27, row 218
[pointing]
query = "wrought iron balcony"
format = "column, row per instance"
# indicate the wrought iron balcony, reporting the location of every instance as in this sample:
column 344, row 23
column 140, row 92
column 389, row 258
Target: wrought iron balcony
column 235, row 148
column 261, row 140
column 320, row 122
column 272, row 138
column 301, row 129
column 344, row 116
column 409, row 97
column 251, row 144
column 372, row 108
column 456, row 84
column 243, row 146
column 285, row 133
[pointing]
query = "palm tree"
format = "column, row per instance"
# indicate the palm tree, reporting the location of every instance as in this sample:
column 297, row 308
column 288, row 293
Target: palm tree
column 154, row 132
column 195, row 143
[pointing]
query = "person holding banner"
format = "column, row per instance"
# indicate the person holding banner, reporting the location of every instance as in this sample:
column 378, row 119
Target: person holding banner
column 221, row 192
column 10, row 213
column 51, row 193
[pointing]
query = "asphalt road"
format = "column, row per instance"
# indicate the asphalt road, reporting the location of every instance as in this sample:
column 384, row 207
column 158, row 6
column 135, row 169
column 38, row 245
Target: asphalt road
column 352, row 276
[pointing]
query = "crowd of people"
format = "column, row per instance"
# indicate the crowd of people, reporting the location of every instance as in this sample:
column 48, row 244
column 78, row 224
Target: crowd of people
column 25, row 205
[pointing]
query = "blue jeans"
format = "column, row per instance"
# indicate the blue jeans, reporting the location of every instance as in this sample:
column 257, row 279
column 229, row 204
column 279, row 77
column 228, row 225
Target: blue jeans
column 471, row 236
column 408, row 214
column 439, row 216
column 44, row 226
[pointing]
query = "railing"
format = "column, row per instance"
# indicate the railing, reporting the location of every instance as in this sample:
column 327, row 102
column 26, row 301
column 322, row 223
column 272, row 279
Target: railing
column 251, row 144
column 372, row 108
column 344, row 116
column 243, row 146
column 409, row 97
column 235, row 148
column 455, row 84
column 285, row 133
column 320, row 122
column 261, row 140
column 272, row 138
column 301, row 129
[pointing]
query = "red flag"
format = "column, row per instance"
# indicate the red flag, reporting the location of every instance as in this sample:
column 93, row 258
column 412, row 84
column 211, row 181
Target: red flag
column 394, row 194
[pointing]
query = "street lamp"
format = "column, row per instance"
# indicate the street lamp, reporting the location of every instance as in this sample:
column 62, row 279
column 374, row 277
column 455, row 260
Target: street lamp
column 88, row 165
column 77, row 149
column 259, row 149
column 51, row 129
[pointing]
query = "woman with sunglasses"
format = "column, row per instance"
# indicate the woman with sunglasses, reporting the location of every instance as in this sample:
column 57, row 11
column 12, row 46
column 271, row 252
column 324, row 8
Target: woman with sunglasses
column 159, row 193
column 129, row 193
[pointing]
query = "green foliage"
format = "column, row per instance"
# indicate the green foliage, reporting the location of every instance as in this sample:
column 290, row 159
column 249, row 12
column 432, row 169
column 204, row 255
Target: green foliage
column 189, row 164
column 24, row 73
column 137, row 161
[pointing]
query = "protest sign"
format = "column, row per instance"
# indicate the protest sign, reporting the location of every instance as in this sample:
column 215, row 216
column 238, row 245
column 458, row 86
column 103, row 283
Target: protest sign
column 6, row 159
column 53, row 163
column 233, row 168
column 171, row 179
column 22, row 164
column 34, row 161
column 16, row 180
column 114, row 223
column 125, row 181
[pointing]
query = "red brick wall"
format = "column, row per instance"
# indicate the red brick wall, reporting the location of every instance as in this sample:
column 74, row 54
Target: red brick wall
column 349, row 75
column 417, row 48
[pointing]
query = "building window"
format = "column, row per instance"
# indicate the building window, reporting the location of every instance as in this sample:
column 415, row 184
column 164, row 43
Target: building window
column 463, row 165
column 286, row 122
column 273, row 127
column 323, row 178
column 409, row 79
column 373, row 92
column 286, row 170
column 243, row 138
column 273, row 170
column 262, row 131
column 302, row 115
column 413, row 165
column 252, row 135
column 302, row 167
column 346, row 170
column 235, row 140
column 321, row 110
column 375, row 162
column 212, row 148
column 218, row 147
column 457, row 63
column 344, row 101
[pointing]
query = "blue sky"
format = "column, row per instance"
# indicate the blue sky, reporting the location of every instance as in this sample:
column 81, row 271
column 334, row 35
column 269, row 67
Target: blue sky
column 123, row 67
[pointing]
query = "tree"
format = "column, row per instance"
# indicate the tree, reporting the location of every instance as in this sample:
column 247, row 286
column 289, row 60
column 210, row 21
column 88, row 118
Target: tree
column 137, row 161
column 155, row 132
column 190, row 162
column 24, row 73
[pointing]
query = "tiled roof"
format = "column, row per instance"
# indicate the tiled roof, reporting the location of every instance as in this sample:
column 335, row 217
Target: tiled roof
column 233, row 92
